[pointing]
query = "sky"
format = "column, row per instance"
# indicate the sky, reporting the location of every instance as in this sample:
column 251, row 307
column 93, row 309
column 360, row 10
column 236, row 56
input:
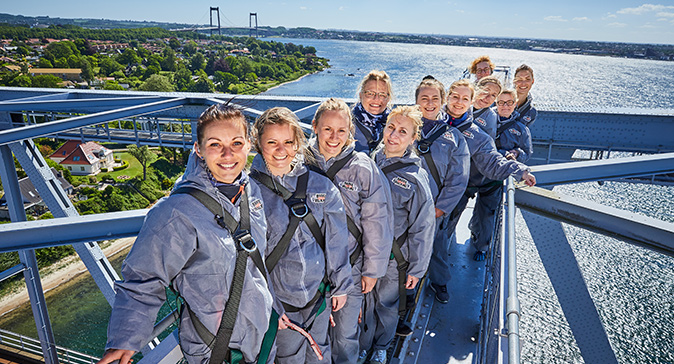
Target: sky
column 593, row 20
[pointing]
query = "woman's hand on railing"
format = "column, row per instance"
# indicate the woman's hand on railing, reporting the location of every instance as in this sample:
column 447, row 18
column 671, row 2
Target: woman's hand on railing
column 529, row 178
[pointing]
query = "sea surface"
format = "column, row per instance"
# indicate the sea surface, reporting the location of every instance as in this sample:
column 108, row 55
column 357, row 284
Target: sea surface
column 632, row 287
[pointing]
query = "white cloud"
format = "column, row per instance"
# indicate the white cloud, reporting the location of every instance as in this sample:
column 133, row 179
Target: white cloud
column 584, row 18
column 342, row 8
column 645, row 8
column 648, row 26
column 554, row 18
column 617, row 25
column 303, row 8
column 665, row 15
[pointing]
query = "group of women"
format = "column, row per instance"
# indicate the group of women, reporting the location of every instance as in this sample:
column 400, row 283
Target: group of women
column 309, row 255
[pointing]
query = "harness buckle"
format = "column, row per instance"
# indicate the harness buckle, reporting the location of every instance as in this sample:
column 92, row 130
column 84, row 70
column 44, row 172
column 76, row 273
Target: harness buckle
column 423, row 148
column 246, row 241
column 295, row 209
column 220, row 221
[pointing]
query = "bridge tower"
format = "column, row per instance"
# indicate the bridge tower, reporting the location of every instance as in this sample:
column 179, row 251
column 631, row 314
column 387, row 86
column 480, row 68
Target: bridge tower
column 250, row 24
column 217, row 10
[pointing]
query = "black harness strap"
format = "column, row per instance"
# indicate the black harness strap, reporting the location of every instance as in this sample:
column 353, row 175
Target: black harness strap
column 424, row 148
column 371, row 141
column 500, row 131
column 351, row 225
column 479, row 113
column 298, row 211
column 396, row 252
column 246, row 247
column 402, row 271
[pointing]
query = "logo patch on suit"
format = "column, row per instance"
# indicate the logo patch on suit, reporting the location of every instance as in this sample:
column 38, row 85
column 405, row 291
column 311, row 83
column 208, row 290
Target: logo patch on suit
column 481, row 122
column 318, row 198
column 468, row 134
column 401, row 182
column 514, row 131
column 349, row 186
column 256, row 205
column 527, row 118
column 449, row 136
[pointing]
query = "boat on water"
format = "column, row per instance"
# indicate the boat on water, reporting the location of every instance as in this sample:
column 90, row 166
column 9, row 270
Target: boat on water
column 480, row 324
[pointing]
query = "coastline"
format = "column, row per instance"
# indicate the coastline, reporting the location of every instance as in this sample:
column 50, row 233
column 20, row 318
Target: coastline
column 287, row 82
column 67, row 270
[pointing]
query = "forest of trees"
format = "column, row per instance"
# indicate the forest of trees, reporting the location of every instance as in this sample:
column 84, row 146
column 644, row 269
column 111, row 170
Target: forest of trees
column 154, row 59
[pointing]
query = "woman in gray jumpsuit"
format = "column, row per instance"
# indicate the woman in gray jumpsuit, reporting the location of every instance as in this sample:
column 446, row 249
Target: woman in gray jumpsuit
column 183, row 245
column 367, row 199
column 413, row 218
column 307, row 257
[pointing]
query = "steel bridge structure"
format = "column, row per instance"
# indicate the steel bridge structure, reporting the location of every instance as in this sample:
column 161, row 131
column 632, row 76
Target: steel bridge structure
column 169, row 119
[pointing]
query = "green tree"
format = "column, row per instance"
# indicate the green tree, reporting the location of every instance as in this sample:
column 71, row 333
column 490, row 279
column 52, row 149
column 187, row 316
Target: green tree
column 197, row 62
column 109, row 65
column 112, row 85
column 183, row 79
column 174, row 43
column 144, row 156
column 46, row 81
column 21, row 81
column 129, row 57
column 44, row 63
column 169, row 61
column 61, row 63
column 224, row 79
column 157, row 83
column 190, row 47
column 87, row 70
column 203, row 84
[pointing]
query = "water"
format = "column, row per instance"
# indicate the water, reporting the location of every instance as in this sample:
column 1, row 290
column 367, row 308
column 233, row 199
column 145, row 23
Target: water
column 561, row 79
column 633, row 288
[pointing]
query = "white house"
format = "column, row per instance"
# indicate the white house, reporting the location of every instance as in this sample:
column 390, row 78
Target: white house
column 83, row 159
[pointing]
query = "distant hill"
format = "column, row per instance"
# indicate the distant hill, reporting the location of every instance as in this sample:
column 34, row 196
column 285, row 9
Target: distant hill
column 612, row 49
column 87, row 23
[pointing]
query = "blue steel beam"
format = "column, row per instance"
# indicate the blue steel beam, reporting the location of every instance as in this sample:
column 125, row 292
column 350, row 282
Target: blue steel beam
column 74, row 104
column 641, row 230
column 12, row 271
column 604, row 169
column 70, row 230
column 34, row 131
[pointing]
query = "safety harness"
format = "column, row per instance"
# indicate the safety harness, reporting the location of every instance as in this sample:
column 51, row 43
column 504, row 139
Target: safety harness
column 245, row 248
column 351, row 225
column 502, row 129
column 396, row 252
column 371, row 141
column 424, row 148
column 299, row 211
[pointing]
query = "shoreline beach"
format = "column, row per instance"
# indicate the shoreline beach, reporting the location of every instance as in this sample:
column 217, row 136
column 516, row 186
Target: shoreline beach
column 65, row 271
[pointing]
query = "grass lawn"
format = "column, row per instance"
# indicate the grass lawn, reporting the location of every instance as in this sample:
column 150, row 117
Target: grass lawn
column 132, row 170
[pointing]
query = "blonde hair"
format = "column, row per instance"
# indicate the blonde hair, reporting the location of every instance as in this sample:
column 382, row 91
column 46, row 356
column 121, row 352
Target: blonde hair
column 484, row 81
column 412, row 112
column 334, row 104
column 279, row 116
column 473, row 65
column 460, row 83
column 376, row 75
column 430, row 81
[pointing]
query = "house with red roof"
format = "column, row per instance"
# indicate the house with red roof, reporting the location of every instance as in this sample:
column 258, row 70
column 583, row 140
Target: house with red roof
column 83, row 159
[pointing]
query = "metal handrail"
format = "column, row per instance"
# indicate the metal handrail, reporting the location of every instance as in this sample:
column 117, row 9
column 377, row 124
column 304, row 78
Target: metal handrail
column 512, row 302
column 30, row 345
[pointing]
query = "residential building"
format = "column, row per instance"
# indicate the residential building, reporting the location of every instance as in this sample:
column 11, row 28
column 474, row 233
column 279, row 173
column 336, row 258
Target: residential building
column 83, row 159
